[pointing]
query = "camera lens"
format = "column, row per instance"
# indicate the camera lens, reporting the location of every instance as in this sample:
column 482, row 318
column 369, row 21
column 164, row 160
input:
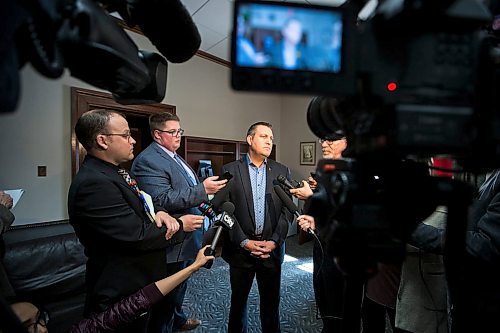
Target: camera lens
column 323, row 119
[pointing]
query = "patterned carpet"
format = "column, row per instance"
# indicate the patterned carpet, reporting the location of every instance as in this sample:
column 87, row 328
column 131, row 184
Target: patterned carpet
column 208, row 301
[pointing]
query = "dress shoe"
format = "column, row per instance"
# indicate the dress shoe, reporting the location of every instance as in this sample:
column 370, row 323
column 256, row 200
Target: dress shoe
column 190, row 324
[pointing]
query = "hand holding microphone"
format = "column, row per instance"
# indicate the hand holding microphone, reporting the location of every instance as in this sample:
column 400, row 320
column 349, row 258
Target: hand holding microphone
column 306, row 222
column 300, row 190
column 202, row 259
column 223, row 220
column 302, row 193
column 289, row 204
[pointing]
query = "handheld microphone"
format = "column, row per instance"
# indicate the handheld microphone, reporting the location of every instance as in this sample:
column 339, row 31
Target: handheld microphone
column 285, row 199
column 223, row 221
column 210, row 209
column 289, row 184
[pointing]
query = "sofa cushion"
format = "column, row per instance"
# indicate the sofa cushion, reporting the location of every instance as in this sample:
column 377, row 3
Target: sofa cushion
column 45, row 264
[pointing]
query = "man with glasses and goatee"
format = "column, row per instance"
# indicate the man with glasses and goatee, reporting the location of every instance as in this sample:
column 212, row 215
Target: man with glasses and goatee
column 123, row 233
column 174, row 185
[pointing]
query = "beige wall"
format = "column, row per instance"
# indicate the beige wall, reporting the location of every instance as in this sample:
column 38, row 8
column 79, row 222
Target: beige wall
column 38, row 133
column 294, row 130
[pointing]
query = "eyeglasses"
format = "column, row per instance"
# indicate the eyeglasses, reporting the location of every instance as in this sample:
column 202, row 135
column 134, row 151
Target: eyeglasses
column 42, row 320
column 329, row 141
column 173, row 132
column 126, row 136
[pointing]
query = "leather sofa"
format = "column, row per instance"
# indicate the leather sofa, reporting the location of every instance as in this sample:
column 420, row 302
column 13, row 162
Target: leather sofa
column 45, row 264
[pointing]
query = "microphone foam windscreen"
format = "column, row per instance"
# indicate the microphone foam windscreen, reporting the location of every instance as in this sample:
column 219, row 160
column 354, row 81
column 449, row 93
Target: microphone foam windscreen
column 228, row 207
column 169, row 26
column 285, row 199
column 220, row 198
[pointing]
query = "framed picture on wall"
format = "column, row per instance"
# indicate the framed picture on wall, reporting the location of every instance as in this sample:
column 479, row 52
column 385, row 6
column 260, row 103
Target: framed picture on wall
column 308, row 153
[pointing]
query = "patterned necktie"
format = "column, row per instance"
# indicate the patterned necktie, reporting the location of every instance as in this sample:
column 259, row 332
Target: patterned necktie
column 190, row 179
column 133, row 185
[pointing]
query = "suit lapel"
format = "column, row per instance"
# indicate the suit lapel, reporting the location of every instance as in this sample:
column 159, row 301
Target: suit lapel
column 269, row 176
column 170, row 160
column 270, row 207
column 109, row 171
column 247, row 187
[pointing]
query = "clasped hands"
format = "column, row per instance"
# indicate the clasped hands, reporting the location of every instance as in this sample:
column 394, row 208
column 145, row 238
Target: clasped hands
column 260, row 249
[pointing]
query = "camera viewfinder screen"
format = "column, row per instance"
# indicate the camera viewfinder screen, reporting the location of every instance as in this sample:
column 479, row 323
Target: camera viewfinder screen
column 288, row 37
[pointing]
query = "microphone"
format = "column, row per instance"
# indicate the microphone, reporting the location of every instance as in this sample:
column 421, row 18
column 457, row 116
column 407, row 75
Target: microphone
column 168, row 25
column 285, row 199
column 287, row 183
column 223, row 221
column 210, row 209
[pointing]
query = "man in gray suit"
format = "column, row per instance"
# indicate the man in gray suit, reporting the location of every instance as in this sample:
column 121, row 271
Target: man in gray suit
column 174, row 185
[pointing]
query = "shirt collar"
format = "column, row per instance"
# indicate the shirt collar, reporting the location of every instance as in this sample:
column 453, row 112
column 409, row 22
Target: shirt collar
column 170, row 153
column 249, row 161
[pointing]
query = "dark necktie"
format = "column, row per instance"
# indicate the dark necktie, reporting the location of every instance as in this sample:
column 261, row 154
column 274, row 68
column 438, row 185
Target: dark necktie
column 190, row 179
column 133, row 185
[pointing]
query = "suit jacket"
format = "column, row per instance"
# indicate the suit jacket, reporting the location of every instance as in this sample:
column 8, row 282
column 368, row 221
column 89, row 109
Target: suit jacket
column 277, row 218
column 125, row 250
column 422, row 302
column 163, row 178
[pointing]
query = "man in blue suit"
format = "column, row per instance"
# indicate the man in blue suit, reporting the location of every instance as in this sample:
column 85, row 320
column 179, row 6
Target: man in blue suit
column 175, row 186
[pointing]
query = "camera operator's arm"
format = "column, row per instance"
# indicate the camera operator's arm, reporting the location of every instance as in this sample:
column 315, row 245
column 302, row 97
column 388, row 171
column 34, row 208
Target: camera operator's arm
column 429, row 235
column 428, row 238
column 483, row 241
column 302, row 193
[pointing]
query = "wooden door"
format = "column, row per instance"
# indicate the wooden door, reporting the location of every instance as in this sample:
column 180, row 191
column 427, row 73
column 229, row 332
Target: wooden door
column 83, row 100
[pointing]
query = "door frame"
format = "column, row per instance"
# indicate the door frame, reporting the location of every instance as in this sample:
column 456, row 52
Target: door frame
column 83, row 100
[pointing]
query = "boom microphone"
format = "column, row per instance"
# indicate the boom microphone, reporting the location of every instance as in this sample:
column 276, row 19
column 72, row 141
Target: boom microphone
column 285, row 199
column 168, row 25
column 223, row 221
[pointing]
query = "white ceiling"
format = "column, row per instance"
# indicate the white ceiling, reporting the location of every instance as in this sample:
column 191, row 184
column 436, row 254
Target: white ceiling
column 214, row 21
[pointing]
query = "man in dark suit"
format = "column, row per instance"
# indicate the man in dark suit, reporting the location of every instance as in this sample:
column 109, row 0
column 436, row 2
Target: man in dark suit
column 175, row 186
column 124, row 238
column 256, row 243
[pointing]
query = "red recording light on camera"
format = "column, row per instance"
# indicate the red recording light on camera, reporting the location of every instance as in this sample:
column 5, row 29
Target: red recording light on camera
column 392, row 86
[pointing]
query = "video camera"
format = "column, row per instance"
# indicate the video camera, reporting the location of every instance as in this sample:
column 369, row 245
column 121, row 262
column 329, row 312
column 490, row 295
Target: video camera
column 408, row 81
column 81, row 35
column 418, row 77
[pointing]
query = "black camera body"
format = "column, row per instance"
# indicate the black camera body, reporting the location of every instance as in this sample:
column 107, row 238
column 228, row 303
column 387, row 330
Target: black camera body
column 417, row 78
column 413, row 80
column 82, row 36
